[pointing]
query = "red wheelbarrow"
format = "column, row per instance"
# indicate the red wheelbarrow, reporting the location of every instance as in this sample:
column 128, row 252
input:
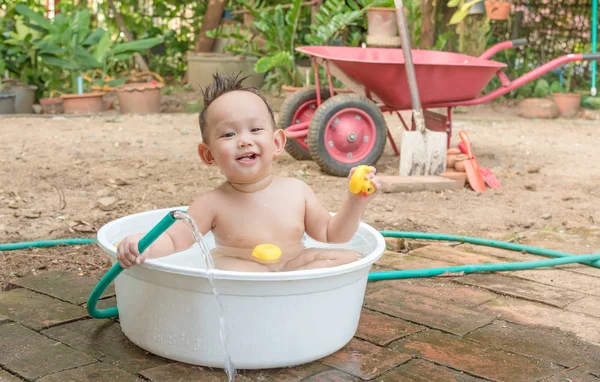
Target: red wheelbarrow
column 340, row 131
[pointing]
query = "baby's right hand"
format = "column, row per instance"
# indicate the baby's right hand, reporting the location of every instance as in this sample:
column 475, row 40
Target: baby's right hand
column 127, row 251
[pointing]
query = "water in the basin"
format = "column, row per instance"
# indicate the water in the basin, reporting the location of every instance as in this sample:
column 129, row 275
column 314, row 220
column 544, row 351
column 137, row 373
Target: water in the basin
column 210, row 266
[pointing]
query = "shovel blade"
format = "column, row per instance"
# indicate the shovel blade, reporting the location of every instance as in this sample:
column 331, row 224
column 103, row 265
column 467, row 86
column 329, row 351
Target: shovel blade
column 474, row 176
column 423, row 153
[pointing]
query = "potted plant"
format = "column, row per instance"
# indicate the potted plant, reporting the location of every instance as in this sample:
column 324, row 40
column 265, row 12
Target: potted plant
column 281, row 32
column 139, row 96
column 67, row 47
column 72, row 46
column 537, row 102
column 51, row 104
column 567, row 102
column 140, row 92
column 236, row 50
column 19, row 57
column 277, row 29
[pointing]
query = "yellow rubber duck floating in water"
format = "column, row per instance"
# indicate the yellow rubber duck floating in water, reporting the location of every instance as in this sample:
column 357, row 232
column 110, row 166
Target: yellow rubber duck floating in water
column 267, row 252
column 359, row 184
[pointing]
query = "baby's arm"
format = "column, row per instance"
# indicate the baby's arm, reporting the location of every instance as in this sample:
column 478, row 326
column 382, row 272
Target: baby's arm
column 177, row 238
column 340, row 228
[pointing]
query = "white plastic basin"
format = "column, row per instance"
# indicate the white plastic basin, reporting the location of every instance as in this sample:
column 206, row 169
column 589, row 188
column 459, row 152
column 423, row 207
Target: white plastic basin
column 274, row 319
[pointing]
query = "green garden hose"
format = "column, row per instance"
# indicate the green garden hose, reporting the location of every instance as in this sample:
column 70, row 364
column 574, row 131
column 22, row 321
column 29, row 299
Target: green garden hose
column 45, row 243
column 517, row 266
column 484, row 242
column 105, row 281
column 560, row 258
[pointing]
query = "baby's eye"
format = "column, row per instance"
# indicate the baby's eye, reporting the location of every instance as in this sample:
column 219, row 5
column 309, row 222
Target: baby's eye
column 227, row 135
column 256, row 129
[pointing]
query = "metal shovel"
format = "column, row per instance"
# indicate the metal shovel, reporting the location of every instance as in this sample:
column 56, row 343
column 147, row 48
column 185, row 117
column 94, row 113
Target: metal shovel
column 423, row 151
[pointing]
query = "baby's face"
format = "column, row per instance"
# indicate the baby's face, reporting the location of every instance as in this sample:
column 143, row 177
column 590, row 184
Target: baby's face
column 241, row 138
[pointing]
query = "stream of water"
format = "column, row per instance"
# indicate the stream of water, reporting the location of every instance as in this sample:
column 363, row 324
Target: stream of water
column 210, row 267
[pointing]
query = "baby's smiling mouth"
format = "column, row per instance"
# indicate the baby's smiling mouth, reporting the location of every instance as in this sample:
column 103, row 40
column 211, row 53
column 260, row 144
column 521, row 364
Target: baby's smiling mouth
column 247, row 157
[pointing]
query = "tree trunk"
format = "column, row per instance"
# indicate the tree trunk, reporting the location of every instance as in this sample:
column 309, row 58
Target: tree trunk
column 428, row 24
column 314, row 9
column 446, row 13
column 128, row 37
column 212, row 19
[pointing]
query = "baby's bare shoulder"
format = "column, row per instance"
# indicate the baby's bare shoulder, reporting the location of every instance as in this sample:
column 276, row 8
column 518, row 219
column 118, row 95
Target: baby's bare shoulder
column 208, row 198
column 291, row 184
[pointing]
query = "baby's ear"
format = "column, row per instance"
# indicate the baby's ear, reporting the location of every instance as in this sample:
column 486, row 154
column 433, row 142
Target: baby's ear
column 205, row 154
column 279, row 140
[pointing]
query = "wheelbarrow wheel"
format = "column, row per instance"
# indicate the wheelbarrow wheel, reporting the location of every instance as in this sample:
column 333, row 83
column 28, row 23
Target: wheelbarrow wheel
column 298, row 108
column 347, row 130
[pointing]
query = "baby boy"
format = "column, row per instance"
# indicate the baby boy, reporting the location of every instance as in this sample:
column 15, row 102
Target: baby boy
column 253, row 206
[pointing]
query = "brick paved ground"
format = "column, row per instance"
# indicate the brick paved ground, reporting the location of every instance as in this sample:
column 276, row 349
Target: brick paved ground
column 538, row 325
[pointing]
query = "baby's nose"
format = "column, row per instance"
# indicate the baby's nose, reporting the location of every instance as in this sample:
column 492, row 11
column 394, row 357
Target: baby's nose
column 242, row 142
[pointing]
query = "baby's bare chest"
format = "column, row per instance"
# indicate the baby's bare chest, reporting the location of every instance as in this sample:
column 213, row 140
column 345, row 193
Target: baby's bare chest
column 247, row 221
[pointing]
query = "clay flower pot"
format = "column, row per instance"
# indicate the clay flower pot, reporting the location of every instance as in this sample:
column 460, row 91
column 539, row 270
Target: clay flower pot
column 497, row 9
column 52, row 105
column 382, row 22
column 382, row 30
column 451, row 155
column 86, row 103
column 568, row 104
column 139, row 98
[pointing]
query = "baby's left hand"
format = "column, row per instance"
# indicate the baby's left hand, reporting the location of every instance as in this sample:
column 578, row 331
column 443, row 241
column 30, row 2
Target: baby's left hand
column 371, row 176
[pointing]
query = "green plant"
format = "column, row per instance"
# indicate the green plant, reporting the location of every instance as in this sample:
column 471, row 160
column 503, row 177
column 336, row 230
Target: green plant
column 462, row 11
column 178, row 21
column 557, row 87
column 20, row 53
column 280, row 32
column 337, row 16
column 277, row 30
column 542, row 89
column 70, row 45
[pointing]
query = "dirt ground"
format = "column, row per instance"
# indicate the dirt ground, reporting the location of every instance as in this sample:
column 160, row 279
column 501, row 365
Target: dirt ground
column 55, row 169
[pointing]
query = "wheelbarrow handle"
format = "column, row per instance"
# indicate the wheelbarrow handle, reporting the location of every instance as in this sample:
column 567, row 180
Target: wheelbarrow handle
column 508, row 85
column 502, row 46
column 105, row 281
column 519, row 42
column 595, row 56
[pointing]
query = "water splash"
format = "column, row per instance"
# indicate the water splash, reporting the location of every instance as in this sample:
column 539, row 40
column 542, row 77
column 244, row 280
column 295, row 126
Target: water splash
column 210, row 267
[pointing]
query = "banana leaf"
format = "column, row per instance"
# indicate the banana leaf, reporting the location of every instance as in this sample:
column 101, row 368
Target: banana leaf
column 102, row 47
column 35, row 17
column 85, row 59
column 59, row 62
column 95, row 37
column 137, row 46
column 82, row 25
column 279, row 59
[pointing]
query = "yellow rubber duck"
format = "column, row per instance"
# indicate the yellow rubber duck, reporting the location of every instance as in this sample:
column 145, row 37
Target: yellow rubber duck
column 359, row 184
column 267, row 252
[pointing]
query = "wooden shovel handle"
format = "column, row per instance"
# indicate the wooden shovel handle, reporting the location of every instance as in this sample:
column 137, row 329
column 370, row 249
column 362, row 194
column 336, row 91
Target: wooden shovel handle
column 409, row 66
